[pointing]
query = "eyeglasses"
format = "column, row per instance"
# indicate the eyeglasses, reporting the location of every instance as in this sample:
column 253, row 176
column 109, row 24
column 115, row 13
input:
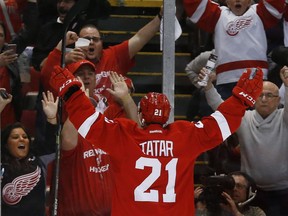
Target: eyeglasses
column 240, row 186
column 93, row 38
column 268, row 95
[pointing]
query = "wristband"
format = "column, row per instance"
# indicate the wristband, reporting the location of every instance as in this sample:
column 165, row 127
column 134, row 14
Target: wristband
column 69, row 93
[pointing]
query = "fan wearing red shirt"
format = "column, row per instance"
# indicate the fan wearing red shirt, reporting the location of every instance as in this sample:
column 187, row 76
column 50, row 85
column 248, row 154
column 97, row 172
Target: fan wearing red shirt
column 119, row 58
column 13, row 9
column 88, row 164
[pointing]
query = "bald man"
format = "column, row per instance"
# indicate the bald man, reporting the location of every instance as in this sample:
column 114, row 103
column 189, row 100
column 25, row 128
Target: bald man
column 263, row 139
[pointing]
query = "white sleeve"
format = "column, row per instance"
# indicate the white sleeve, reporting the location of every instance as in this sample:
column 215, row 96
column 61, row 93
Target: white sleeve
column 193, row 68
column 285, row 103
column 213, row 98
column 285, row 30
column 282, row 94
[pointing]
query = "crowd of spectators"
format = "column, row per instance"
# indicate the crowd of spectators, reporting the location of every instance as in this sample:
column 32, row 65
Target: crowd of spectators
column 272, row 184
column 243, row 34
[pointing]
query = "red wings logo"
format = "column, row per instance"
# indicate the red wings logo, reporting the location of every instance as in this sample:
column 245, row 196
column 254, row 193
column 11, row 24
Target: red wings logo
column 21, row 186
column 234, row 27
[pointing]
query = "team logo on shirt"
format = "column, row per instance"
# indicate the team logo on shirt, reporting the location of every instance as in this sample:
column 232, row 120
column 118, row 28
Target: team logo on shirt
column 235, row 26
column 21, row 186
column 99, row 76
column 97, row 154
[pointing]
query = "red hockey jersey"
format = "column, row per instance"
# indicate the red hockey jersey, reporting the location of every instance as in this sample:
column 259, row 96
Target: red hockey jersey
column 153, row 167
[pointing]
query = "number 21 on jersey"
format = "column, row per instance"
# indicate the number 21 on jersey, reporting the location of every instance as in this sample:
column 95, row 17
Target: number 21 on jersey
column 153, row 195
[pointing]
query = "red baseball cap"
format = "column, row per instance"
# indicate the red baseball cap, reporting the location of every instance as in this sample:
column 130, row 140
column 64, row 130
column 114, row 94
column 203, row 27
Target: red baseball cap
column 73, row 67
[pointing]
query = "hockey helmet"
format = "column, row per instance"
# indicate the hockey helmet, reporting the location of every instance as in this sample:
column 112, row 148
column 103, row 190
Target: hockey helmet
column 155, row 108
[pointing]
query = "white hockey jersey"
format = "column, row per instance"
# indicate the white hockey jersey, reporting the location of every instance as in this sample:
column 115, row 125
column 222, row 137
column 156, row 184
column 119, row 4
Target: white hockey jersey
column 240, row 41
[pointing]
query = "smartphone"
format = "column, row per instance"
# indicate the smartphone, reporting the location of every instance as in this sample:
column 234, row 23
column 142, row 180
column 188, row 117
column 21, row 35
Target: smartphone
column 12, row 47
column 4, row 94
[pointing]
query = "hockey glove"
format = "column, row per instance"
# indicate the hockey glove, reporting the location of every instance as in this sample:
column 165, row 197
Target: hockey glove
column 64, row 82
column 248, row 88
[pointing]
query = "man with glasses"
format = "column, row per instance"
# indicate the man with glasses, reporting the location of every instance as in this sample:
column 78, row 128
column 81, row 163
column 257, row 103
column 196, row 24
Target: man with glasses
column 243, row 193
column 237, row 200
column 263, row 139
column 48, row 37
column 119, row 58
column 52, row 32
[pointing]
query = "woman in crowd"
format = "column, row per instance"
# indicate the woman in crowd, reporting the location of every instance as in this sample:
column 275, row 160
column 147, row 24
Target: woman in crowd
column 23, row 173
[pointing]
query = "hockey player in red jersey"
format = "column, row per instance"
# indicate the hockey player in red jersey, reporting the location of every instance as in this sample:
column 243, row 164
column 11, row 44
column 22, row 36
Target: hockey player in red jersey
column 153, row 166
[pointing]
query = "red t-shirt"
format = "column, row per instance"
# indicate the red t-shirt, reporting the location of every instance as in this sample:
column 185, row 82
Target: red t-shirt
column 14, row 9
column 85, row 181
column 8, row 114
column 115, row 58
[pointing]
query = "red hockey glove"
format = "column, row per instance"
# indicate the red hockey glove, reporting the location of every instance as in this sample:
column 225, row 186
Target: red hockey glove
column 249, row 89
column 64, row 82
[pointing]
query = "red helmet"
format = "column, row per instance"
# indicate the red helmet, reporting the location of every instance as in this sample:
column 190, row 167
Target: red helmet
column 155, row 108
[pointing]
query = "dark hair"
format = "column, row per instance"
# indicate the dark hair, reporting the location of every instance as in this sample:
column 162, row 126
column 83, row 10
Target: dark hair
column 249, row 179
column 93, row 25
column 5, row 135
column 12, row 164
column 89, row 24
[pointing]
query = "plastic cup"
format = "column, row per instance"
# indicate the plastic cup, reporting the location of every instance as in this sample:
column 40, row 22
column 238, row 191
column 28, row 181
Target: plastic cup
column 82, row 42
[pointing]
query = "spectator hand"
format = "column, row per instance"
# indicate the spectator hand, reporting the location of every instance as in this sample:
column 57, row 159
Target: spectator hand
column 64, row 82
column 7, row 57
column 284, row 75
column 4, row 102
column 5, row 96
column 74, row 55
column 230, row 206
column 120, row 90
column 71, row 37
column 202, row 74
column 249, row 89
column 197, row 192
column 211, row 78
column 50, row 105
